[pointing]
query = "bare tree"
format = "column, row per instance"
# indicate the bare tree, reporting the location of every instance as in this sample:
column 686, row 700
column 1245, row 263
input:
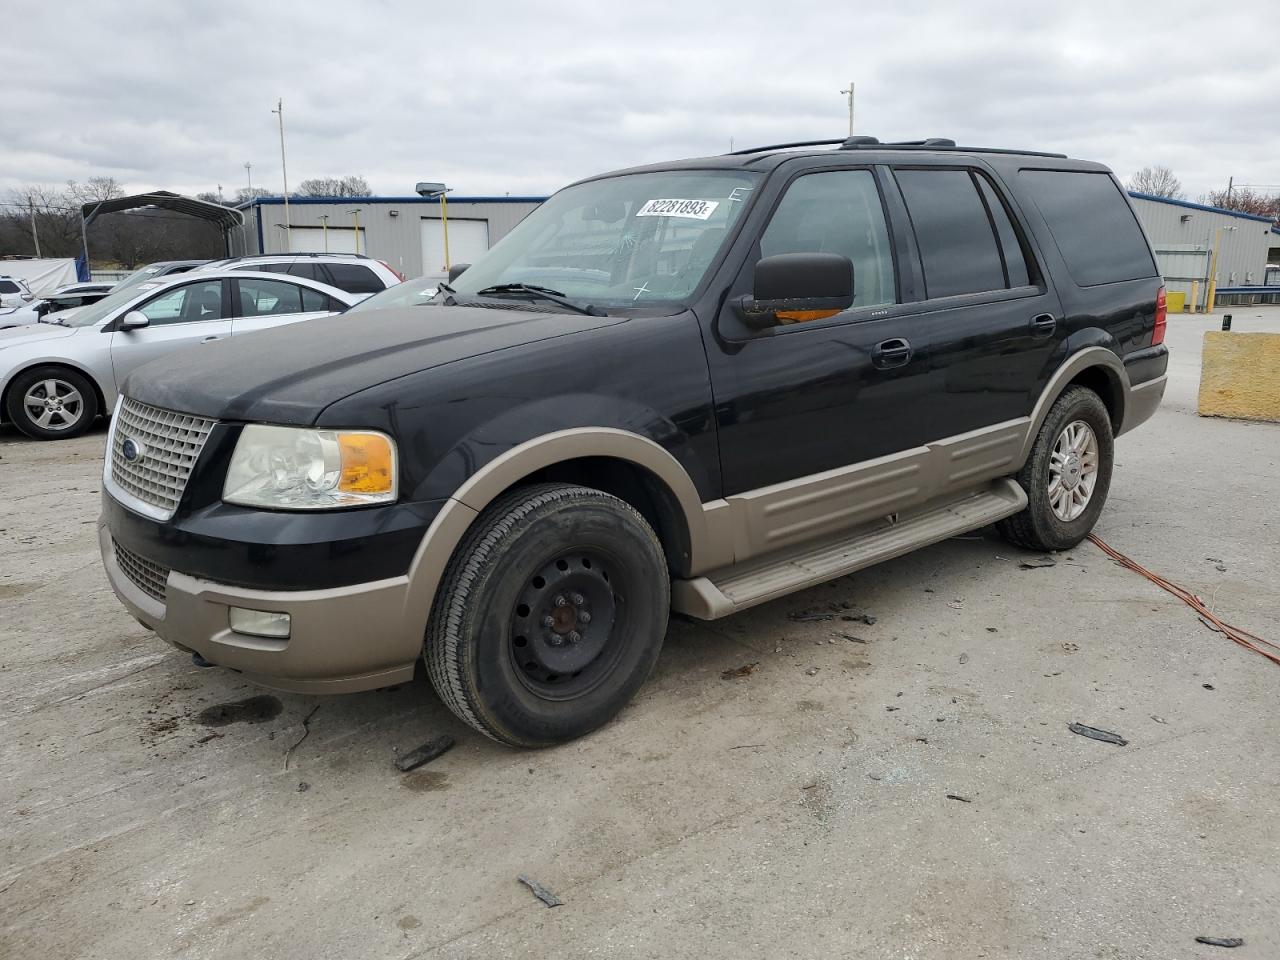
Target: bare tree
column 1246, row 200
column 348, row 186
column 246, row 193
column 1157, row 181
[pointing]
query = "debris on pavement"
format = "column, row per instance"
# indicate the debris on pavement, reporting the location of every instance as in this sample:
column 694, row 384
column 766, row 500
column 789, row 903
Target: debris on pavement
column 425, row 753
column 851, row 638
column 1158, row 719
column 811, row 671
column 866, row 618
column 1093, row 733
column 743, row 671
column 1207, row 686
column 956, row 796
column 956, row 604
column 1221, row 941
column 303, row 786
column 809, row 616
column 1070, row 647
column 1036, row 563
column 541, row 892
column 1209, row 623
column 964, row 658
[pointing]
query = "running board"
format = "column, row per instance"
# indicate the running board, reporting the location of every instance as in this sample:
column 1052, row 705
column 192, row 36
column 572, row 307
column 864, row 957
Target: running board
column 738, row 587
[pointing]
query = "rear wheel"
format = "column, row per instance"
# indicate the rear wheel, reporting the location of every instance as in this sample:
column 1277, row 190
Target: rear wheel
column 1067, row 476
column 550, row 615
column 52, row 403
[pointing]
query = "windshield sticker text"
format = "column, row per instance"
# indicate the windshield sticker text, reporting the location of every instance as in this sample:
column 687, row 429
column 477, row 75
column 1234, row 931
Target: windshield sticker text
column 688, row 209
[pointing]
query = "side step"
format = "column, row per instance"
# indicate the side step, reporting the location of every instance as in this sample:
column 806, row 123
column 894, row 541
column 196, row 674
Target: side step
column 744, row 585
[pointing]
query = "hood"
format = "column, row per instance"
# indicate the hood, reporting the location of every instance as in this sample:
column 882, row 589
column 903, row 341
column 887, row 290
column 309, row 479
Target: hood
column 290, row 374
column 33, row 333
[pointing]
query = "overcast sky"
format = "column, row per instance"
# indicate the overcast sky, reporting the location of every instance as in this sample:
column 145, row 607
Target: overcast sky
column 522, row 97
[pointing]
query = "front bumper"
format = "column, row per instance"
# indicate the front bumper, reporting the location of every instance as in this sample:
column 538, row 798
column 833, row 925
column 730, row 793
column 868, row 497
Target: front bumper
column 342, row 639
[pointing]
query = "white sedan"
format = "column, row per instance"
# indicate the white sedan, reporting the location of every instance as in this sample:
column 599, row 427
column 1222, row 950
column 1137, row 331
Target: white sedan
column 59, row 374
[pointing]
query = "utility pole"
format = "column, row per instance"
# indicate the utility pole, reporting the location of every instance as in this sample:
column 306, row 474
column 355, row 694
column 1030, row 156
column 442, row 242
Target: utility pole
column 284, row 173
column 248, row 172
column 1231, row 181
column 324, row 225
column 31, row 206
column 849, row 93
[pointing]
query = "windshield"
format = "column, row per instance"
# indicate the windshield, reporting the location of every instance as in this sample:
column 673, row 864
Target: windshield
column 633, row 240
column 88, row 316
column 407, row 294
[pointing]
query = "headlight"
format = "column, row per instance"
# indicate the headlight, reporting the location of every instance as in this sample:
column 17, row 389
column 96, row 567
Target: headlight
column 286, row 468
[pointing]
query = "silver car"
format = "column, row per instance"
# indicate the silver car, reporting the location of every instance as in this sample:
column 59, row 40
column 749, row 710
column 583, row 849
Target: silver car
column 57, row 375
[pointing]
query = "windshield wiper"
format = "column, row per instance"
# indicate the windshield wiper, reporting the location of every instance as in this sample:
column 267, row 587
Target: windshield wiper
column 541, row 293
column 61, row 323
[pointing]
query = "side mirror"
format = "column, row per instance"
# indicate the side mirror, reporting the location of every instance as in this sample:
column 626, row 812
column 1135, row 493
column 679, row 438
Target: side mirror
column 457, row 270
column 134, row 320
column 794, row 287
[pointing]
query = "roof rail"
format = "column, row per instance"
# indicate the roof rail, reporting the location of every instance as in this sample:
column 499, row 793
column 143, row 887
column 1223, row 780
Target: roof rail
column 784, row 146
column 871, row 143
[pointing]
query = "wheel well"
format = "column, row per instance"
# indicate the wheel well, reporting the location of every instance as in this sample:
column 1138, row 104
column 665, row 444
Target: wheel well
column 1107, row 386
column 54, row 365
column 638, row 487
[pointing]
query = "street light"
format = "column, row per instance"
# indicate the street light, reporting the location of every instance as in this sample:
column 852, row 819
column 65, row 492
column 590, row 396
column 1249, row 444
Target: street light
column 431, row 191
column 284, row 174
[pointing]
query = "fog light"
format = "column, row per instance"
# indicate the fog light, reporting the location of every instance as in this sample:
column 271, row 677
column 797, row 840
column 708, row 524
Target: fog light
column 260, row 623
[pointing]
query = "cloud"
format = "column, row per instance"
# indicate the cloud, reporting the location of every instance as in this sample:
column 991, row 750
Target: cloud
column 523, row 98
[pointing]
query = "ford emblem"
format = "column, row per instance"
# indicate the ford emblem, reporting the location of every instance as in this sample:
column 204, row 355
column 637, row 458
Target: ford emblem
column 132, row 449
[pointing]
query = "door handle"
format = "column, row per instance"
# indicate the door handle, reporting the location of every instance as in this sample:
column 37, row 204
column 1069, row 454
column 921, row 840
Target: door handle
column 1043, row 325
column 888, row 354
column 216, row 336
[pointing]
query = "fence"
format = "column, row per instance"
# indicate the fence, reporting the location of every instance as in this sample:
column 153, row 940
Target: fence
column 103, row 276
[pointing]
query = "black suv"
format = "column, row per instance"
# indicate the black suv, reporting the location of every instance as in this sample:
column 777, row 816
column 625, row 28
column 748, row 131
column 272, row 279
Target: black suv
column 695, row 386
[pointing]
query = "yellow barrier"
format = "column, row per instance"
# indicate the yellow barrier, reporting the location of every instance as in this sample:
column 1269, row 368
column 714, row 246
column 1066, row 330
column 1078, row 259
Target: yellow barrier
column 1176, row 301
column 1240, row 376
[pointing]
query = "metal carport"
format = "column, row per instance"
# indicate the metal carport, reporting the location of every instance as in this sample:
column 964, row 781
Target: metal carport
column 228, row 218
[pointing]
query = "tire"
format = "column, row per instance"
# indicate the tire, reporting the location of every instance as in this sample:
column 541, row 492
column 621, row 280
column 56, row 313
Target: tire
column 1054, row 519
column 501, row 651
column 75, row 409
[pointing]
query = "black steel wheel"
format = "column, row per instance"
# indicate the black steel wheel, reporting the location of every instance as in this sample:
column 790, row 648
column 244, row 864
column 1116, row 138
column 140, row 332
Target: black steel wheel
column 550, row 615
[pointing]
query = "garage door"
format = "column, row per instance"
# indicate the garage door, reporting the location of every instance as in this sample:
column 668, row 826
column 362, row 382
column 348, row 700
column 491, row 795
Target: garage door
column 312, row 240
column 468, row 239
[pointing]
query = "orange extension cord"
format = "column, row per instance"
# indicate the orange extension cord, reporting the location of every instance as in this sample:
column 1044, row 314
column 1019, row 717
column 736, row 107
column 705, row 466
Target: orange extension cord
column 1242, row 637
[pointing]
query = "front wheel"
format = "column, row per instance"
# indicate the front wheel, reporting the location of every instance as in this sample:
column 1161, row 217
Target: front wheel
column 1067, row 476
column 550, row 615
column 52, row 403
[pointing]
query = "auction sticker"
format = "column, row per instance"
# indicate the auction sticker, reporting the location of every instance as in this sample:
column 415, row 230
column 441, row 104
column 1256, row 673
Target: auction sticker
column 688, row 209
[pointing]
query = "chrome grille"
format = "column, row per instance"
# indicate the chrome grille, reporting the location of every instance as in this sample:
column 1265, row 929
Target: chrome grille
column 171, row 444
column 148, row 577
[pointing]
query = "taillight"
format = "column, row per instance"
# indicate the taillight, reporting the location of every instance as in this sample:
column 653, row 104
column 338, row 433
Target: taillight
column 1162, row 318
column 393, row 270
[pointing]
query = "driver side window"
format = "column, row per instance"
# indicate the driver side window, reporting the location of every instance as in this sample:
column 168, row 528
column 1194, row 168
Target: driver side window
column 839, row 212
column 188, row 303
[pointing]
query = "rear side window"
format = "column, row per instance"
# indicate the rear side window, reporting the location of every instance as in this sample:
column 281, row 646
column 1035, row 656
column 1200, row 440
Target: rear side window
column 268, row 298
column 265, row 267
column 958, row 248
column 1015, row 263
column 315, row 300
column 354, row 278
column 310, row 270
column 1092, row 224
column 8, row 286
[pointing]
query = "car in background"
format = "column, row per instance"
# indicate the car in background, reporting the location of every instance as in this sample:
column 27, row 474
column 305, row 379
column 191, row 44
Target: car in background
column 58, row 375
column 14, row 293
column 352, row 272
column 410, row 293
column 69, row 297
column 154, row 271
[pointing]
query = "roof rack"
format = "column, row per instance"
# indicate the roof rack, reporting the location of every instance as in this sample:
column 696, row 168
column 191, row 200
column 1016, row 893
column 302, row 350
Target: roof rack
column 871, row 143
